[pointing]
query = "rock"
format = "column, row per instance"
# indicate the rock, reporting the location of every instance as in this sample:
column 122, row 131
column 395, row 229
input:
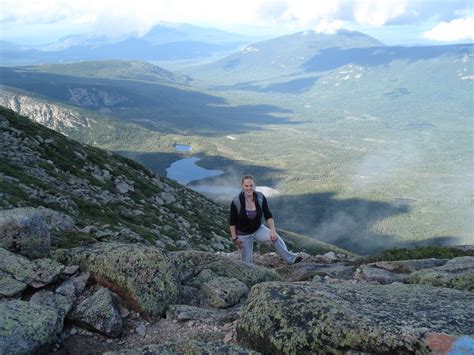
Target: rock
column 223, row 292
column 123, row 188
column 330, row 256
column 71, row 270
column 186, row 347
column 211, row 316
column 143, row 276
column 10, row 287
column 37, row 273
column 370, row 273
column 306, row 271
column 99, row 313
column 74, row 286
column 141, row 330
column 324, row 318
column 457, row 273
column 407, row 266
column 59, row 303
column 27, row 235
column 190, row 263
column 26, row 328
column 168, row 197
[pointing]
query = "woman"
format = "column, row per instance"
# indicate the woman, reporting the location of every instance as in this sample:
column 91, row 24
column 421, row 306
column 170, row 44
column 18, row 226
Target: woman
column 245, row 220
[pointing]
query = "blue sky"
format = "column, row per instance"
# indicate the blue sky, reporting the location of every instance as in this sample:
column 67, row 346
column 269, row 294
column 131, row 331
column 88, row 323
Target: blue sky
column 391, row 21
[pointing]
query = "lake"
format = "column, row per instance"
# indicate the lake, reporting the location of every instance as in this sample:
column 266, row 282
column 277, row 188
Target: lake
column 183, row 148
column 186, row 170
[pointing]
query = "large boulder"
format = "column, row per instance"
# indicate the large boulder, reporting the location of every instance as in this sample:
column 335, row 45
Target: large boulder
column 191, row 263
column 36, row 273
column 281, row 318
column 142, row 275
column 24, row 233
column 457, row 273
column 26, row 328
column 223, row 292
column 10, row 287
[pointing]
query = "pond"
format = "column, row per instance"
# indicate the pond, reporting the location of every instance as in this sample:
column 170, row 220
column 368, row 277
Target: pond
column 186, row 170
column 183, row 148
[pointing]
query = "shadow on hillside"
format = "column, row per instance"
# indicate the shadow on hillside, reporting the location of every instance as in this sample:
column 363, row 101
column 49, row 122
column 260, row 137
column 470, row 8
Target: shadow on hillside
column 233, row 170
column 165, row 107
column 347, row 223
column 155, row 161
column 295, row 86
column 332, row 58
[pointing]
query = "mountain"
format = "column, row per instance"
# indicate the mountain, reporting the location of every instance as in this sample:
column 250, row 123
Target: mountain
column 281, row 56
column 163, row 42
column 113, row 69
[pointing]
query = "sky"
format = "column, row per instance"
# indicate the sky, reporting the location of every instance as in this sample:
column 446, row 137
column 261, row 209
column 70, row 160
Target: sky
column 394, row 22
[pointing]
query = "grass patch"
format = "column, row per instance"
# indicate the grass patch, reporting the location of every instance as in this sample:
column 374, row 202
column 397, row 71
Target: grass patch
column 437, row 252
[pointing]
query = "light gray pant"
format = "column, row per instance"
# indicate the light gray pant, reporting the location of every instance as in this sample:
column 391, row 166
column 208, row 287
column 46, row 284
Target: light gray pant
column 262, row 235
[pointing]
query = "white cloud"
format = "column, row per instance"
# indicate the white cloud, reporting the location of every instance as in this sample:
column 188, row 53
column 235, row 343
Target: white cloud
column 376, row 12
column 329, row 27
column 455, row 30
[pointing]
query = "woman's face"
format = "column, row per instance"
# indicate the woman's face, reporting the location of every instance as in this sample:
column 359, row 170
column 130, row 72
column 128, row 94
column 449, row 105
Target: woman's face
column 248, row 186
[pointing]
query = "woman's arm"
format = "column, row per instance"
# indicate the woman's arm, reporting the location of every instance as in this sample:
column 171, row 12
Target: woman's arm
column 273, row 233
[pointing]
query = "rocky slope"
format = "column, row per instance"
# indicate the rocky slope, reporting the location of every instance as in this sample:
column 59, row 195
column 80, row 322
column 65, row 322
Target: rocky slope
column 108, row 197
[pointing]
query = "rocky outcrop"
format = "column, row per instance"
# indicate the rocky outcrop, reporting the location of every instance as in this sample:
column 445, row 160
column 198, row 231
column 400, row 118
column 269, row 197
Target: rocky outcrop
column 27, row 235
column 456, row 273
column 140, row 274
column 26, row 327
column 281, row 318
column 36, row 273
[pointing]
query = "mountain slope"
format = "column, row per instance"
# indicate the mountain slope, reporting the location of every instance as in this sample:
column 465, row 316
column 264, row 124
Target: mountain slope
column 120, row 198
column 113, row 69
column 281, row 56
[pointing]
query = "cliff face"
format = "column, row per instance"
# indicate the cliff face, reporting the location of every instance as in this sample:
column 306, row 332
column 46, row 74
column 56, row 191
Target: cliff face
column 113, row 196
column 59, row 118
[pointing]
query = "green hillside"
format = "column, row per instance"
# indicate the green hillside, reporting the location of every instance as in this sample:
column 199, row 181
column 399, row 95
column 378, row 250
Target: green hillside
column 113, row 69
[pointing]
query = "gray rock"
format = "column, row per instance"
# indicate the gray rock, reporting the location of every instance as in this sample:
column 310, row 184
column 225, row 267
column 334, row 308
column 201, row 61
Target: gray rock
column 10, row 287
column 141, row 330
column 322, row 318
column 24, row 234
column 186, row 347
column 99, row 313
column 61, row 304
column 74, row 286
column 26, row 328
column 168, row 197
column 370, row 273
column 407, row 266
column 306, row 271
column 223, row 292
column 123, row 188
column 37, row 273
column 457, row 273
column 213, row 316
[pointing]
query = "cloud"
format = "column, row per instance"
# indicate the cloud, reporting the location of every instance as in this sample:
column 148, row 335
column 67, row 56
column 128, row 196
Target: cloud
column 455, row 30
column 117, row 17
column 329, row 27
column 376, row 12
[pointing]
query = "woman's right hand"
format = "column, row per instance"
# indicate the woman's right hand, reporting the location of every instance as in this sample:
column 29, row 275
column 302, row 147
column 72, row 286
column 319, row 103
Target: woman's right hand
column 237, row 243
